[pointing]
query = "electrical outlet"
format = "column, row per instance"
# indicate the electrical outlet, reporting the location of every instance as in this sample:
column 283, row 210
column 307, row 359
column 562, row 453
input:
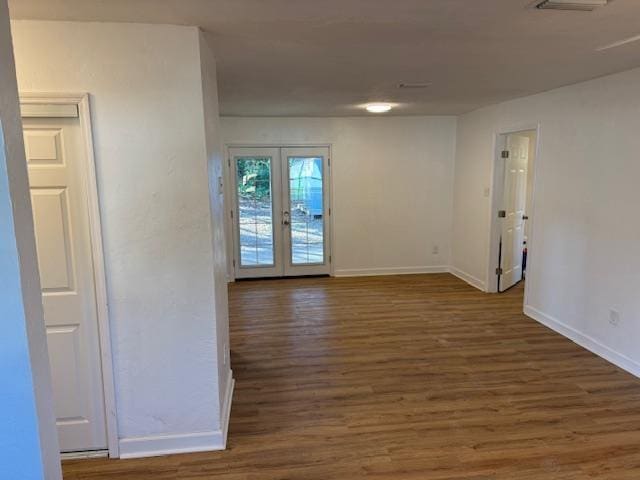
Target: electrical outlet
column 614, row 317
column 435, row 250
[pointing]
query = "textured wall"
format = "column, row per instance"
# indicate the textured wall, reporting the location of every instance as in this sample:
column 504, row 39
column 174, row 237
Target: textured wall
column 147, row 111
column 215, row 156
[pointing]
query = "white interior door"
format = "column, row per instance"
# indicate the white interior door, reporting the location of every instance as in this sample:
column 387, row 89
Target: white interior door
column 54, row 152
column 513, row 211
column 280, row 211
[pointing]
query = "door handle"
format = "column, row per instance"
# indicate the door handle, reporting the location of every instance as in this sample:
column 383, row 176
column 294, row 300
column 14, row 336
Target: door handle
column 285, row 218
column 286, row 222
column 525, row 217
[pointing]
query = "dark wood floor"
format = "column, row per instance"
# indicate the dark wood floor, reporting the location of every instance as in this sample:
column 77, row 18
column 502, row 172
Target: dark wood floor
column 413, row 377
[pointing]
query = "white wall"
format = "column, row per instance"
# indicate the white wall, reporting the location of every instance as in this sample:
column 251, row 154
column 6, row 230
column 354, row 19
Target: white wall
column 28, row 438
column 215, row 156
column 392, row 182
column 583, row 251
column 145, row 83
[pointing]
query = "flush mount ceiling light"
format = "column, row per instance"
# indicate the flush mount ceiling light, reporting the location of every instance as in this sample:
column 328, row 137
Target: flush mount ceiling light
column 378, row 107
column 579, row 5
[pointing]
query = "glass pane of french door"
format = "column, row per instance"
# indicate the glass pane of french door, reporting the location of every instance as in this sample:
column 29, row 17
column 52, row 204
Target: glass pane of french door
column 306, row 208
column 255, row 212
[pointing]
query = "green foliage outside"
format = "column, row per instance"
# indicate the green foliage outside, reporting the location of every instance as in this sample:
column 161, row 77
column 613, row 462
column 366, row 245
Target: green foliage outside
column 254, row 178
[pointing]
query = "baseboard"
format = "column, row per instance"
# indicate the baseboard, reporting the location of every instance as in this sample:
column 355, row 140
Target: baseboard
column 584, row 341
column 84, row 455
column 470, row 279
column 369, row 272
column 225, row 414
column 153, row 446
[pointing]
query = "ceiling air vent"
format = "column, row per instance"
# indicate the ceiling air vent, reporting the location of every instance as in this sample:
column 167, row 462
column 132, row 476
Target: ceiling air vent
column 578, row 5
column 415, row 85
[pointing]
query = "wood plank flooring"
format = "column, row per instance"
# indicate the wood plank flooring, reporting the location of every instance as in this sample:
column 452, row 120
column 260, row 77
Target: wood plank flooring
column 411, row 377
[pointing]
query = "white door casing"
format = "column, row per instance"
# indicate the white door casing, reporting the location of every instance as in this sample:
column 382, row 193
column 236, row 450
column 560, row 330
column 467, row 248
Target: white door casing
column 54, row 151
column 513, row 208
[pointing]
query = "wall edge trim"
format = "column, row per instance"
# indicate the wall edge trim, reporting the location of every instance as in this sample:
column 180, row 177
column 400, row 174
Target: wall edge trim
column 226, row 407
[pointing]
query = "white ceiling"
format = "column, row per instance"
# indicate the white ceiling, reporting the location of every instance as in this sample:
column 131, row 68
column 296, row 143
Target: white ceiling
column 326, row 57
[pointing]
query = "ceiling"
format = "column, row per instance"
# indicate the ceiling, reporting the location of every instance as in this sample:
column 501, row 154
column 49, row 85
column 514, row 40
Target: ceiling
column 327, row 57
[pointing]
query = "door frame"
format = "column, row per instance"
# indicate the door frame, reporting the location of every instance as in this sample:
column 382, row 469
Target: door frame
column 228, row 198
column 89, row 178
column 497, row 192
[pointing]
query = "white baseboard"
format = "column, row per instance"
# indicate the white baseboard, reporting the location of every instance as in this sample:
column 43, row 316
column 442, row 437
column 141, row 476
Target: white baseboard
column 225, row 414
column 470, row 279
column 584, row 341
column 370, row 272
column 153, row 446
column 156, row 445
column 84, row 455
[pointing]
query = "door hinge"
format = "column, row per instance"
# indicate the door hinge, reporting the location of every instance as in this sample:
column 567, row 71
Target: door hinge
column 329, row 161
column 234, row 262
column 329, row 210
column 505, row 153
column 499, row 271
column 329, row 258
column 229, row 162
column 231, row 213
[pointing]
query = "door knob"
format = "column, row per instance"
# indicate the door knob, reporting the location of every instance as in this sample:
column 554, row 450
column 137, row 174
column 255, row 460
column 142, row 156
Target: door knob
column 285, row 222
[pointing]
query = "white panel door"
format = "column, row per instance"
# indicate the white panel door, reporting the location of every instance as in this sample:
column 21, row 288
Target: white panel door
column 514, row 203
column 54, row 155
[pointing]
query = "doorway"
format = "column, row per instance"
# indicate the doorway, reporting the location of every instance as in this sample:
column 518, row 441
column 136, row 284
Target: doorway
column 59, row 154
column 512, row 212
column 280, row 211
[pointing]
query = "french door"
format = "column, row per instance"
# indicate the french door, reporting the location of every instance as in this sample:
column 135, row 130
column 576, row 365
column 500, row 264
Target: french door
column 280, row 211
